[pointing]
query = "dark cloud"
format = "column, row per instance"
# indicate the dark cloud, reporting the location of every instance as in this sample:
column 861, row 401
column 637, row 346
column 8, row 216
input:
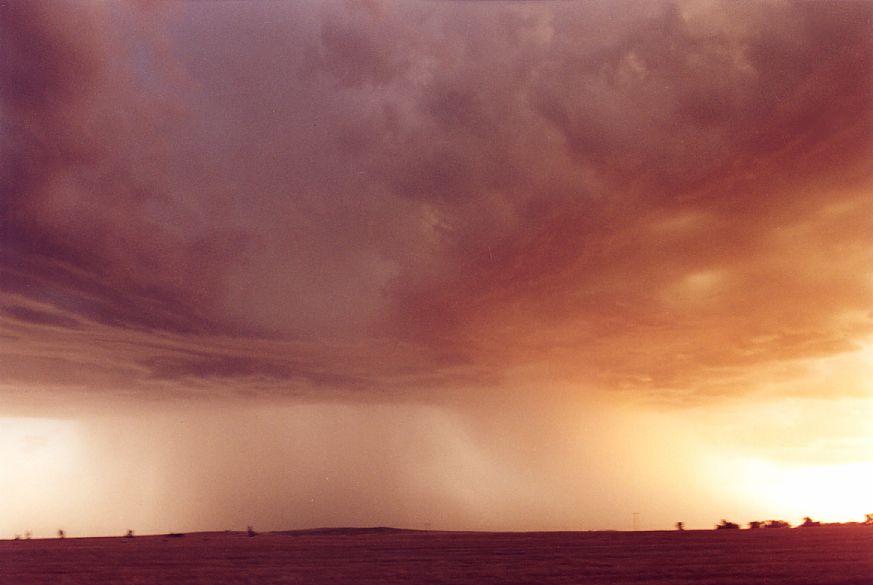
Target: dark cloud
column 358, row 197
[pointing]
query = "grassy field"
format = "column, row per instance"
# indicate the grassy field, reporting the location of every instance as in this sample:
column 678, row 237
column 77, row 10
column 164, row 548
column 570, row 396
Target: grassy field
column 818, row 556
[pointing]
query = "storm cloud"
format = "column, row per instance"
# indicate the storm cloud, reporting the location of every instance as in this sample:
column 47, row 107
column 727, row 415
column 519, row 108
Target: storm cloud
column 653, row 197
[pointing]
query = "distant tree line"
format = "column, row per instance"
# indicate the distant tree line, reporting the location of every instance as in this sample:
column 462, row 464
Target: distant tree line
column 250, row 531
column 808, row 522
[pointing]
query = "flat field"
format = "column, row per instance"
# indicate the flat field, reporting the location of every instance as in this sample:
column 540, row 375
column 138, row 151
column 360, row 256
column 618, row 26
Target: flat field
column 819, row 556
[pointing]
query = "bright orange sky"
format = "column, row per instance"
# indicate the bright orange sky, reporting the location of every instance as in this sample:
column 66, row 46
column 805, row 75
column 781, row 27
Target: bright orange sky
column 473, row 265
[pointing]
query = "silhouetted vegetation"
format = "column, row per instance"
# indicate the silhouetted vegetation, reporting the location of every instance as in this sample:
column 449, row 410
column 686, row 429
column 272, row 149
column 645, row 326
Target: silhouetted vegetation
column 251, row 531
column 725, row 525
column 61, row 533
column 754, row 524
column 808, row 522
column 129, row 534
column 680, row 526
column 175, row 535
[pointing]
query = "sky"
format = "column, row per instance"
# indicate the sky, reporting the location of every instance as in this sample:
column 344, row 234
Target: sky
column 460, row 265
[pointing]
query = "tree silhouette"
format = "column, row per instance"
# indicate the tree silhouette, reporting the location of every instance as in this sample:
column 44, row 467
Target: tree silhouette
column 776, row 524
column 725, row 525
column 809, row 523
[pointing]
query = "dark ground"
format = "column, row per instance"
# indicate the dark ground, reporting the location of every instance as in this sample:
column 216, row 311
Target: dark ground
column 819, row 556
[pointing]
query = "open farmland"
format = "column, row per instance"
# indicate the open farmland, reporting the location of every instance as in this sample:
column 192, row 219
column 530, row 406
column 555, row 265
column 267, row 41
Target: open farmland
column 820, row 556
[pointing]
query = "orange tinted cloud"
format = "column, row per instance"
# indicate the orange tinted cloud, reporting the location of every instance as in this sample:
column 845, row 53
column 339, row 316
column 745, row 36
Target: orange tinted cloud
column 356, row 199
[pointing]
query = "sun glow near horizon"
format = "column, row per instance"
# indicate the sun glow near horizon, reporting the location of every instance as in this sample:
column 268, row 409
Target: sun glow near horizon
column 828, row 493
column 834, row 484
column 795, row 457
